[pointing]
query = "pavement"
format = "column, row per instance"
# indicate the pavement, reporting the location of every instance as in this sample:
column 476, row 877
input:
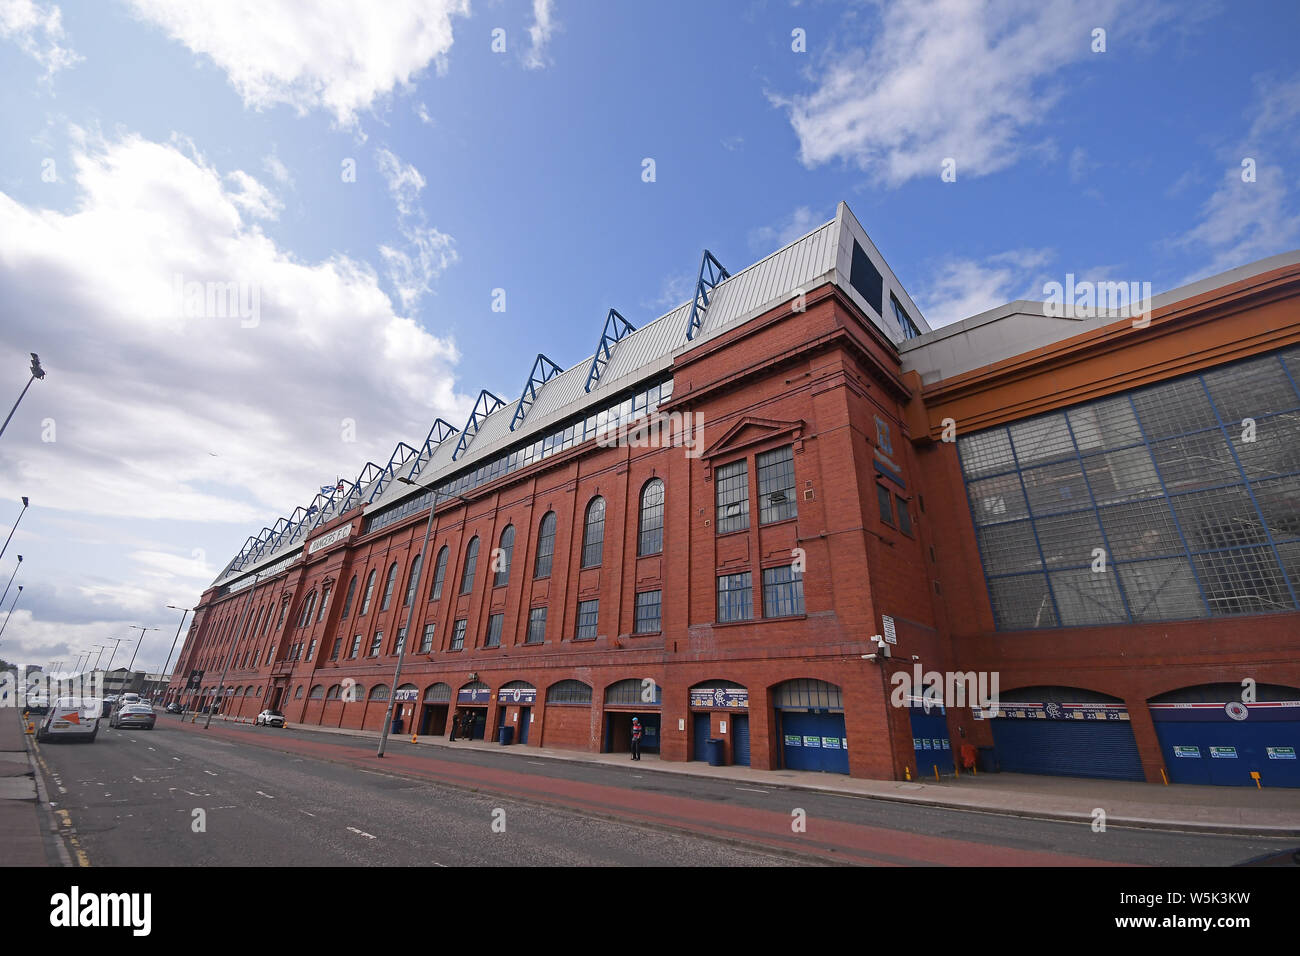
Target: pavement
column 24, row 818
column 1231, row 810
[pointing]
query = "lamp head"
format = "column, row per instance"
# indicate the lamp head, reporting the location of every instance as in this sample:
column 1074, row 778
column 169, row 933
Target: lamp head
column 37, row 371
column 24, row 501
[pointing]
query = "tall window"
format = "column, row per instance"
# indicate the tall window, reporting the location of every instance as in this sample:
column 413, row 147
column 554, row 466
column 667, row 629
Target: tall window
column 311, row 648
column 471, row 565
column 338, row 645
column 458, row 636
column 413, row 582
column 733, row 496
column 507, row 553
column 347, row 601
column 284, row 609
column 308, row 606
column 648, row 612
column 545, row 546
column 400, row 642
column 388, row 587
column 356, row 647
column 782, row 591
column 735, row 597
column 904, row 516
column 593, row 534
column 439, row 572
column 495, row 624
column 376, row 642
column 650, row 540
column 370, row 590
column 886, row 504
column 536, row 626
column 776, row 499
column 588, row 613
column 324, row 603
column 426, row 642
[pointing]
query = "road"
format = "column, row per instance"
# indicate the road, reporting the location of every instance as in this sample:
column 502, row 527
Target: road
column 236, row 795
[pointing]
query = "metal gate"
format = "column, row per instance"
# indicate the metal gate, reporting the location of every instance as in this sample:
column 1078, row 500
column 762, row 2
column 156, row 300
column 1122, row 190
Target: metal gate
column 814, row 740
column 700, row 733
column 1222, row 744
column 930, row 739
column 1066, row 747
column 740, row 742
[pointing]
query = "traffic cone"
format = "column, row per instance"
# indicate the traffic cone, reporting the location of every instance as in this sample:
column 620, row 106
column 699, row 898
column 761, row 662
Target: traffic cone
column 31, row 727
column 413, row 740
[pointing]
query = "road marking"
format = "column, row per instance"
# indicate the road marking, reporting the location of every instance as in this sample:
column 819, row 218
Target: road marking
column 752, row 790
column 151, row 748
column 308, row 812
column 368, row 836
column 538, row 763
column 209, row 773
column 176, row 758
column 137, row 779
column 267, row 795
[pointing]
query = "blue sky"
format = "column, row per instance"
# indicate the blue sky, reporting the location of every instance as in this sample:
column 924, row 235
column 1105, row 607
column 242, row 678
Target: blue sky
column 150, row 142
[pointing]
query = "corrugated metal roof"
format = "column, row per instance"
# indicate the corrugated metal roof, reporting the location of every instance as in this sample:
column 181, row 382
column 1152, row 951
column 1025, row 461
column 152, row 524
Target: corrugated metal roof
column 803, row 264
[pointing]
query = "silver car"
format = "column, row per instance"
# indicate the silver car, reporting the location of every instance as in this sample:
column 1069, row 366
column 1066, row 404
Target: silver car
column 133, row 715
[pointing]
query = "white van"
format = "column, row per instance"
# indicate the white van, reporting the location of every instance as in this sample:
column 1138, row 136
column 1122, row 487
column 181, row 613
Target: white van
column 72, row 718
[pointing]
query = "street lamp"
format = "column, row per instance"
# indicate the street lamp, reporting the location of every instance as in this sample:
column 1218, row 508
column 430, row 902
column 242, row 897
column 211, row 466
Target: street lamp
column 131, row 666
column 37, row 372
column 11, row 610
column 99, row 656
column 410, row 613
column 186, row 610
column 11, row 580
column 15, row 527
column 239, row 636
column 116, row 642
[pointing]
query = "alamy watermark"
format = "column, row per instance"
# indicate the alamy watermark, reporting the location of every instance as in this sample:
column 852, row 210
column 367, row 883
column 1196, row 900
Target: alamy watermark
column 218, row 300
column 946, row 688
column 668, row 430
column 1086, row 300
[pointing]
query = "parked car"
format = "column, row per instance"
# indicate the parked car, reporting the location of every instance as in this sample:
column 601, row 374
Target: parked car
column 174, row 708
column 270, row 718
column 72, row 718
column 133, row 715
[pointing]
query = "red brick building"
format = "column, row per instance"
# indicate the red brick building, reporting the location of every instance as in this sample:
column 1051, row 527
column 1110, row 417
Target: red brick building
column 705, row 524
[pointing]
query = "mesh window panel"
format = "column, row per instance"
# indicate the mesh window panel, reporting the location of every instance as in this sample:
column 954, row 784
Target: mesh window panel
column 1222, row 518
column 1085, row 596
column 1022, row 601
column 776, row 497
column 1053, row 488
column 997, row 499
column 1195, row 461
column 732, row 497
column 1279, row 501
column 1104, row 425
column 1161, row 590
column 1245, row 389
column 1291, row 359
column 1247, row 581
column 588, row 613
column 1173, row 408
column 1041, row 439
column 1289, row 553
column 807, row 692
column 1275, row 450
column 987, row 453
column 1122, row 475
column 1069, row 539
column 782, row 592
column 735, row 597
column 1009, row 548
column 569, row 692
column 1143, row 529
column 536, row 626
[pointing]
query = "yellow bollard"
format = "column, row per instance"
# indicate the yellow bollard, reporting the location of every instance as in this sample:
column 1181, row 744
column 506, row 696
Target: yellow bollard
column 1254, row 775
column 413, row 740
column 31, row 727
column 936, row 773
column 1164, row 776
column 907, row 773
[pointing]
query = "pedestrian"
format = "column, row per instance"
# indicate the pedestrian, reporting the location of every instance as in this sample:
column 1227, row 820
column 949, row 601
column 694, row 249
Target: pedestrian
column 636, row 739
column 455, row 726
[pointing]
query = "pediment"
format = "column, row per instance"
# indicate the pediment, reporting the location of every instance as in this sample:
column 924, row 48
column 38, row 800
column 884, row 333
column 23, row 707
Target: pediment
column 750, row 431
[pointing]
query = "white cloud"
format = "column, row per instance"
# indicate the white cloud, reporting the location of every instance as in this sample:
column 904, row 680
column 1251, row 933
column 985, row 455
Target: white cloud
column 802, row 221
column 38, row 31
column 252, row 197
column 428, row 253
column 335, row 55
column 539, row 34
column 142, row 395
column 951, row 78
column 278, row 170
column 962, row 288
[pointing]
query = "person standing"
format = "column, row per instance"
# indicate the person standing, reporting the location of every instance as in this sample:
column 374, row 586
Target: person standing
column 455, row 726
column 636, row 739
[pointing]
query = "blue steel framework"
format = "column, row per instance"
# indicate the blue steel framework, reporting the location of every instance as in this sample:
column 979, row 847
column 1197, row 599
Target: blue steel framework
column 1274, row 376
column 615, row 328
column 543, row 371
column 711, row 273
column 486, row 404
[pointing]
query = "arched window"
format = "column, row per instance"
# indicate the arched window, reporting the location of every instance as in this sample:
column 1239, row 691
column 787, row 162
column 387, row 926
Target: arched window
column 415, row 579
column 593, row 534
column 545, row 546
column 502, row 563
column 471, row 565
column 439, row 572
column 650, row 540
column 379, row 692
column 298, row 692
column 347, row 602
column 332, row 693
column 370, row 590
column 317, row 692
column 324, row 602
column 388, row 587
column 308, row 606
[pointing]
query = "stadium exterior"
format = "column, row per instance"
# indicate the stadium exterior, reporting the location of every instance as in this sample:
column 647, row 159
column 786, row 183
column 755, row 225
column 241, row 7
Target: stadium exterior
column 705, row 524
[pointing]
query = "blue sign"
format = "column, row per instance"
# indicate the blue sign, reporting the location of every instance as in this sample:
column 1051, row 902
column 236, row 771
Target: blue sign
column 720, row 697
column 474, row 695
column 517, row 695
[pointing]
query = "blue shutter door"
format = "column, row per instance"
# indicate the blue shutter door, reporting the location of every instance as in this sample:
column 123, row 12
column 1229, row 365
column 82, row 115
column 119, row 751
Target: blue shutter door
column 700, row 731
column 1268, row 747
column 1068, row 748
column 930, row 739
column 812, row 741
column 740, row 742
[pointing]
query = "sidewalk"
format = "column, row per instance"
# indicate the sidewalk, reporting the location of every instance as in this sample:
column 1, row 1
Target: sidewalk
column 22, row 825
column 1230, row 810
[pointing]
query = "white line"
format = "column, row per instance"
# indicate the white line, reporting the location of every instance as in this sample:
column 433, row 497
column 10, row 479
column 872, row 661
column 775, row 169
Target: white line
column 308, row 812
column 752, row 790
column 151, row 748
column 369, row 836
column 176, row 758
column 209, row 773
column 538, row 763
column 267, row 795
column 137, row 779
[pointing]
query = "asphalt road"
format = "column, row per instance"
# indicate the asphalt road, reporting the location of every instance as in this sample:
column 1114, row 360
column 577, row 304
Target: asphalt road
column 298, row 798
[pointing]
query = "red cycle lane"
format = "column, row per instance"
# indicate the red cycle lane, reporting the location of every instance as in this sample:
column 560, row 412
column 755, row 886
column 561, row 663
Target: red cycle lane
column 825, row 839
